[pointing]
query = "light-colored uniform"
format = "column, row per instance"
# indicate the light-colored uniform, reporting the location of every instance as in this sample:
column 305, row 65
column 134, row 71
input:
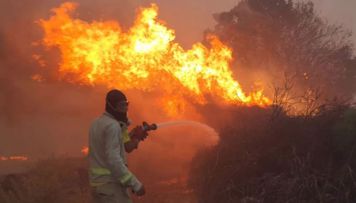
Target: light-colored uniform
column 108, row 172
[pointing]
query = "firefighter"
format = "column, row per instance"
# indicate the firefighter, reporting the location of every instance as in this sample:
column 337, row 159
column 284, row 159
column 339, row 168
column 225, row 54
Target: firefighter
column 110, row 179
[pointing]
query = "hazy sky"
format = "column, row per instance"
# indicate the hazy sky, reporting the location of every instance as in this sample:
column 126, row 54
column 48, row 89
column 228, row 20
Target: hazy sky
column 339, row 11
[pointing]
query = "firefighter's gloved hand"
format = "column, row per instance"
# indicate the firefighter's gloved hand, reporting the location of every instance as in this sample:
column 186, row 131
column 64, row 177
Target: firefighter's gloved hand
column 138, row 133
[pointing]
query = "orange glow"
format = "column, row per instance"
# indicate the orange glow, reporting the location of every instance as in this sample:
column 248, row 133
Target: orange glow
column 13, row 158
column 37, row 78
column 145, row 57
column 85, row 150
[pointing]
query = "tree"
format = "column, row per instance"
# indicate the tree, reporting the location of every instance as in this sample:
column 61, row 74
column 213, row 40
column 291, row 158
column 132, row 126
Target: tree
column 282, row 36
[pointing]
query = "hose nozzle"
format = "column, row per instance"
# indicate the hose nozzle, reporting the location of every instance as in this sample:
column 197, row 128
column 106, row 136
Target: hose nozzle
column 148, row 127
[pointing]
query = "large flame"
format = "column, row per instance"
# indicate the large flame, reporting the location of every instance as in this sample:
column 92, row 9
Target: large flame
column 145, row 57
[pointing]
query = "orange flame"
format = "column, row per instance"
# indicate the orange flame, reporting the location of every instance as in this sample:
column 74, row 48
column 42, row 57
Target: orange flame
column 145, row 58
column 13, row 158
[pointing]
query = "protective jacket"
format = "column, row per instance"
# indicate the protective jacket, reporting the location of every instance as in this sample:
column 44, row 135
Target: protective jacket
column 107, row 158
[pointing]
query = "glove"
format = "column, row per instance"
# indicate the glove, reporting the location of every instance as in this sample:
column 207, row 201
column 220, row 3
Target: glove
column 138, row 133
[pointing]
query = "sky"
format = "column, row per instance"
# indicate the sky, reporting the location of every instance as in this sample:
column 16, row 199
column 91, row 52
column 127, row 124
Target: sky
column 340, row 12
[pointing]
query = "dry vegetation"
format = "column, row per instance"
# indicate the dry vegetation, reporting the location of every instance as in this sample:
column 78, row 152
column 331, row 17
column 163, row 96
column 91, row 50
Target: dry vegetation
column 52, row 180
column 267, row 158
column 65, row 180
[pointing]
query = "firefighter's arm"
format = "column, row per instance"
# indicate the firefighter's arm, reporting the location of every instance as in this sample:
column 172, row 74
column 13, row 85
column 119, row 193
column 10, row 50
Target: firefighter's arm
column 115, row 161
column 131, row 145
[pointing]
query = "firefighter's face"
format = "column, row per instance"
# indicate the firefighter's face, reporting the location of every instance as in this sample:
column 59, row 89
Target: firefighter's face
column 122, row 106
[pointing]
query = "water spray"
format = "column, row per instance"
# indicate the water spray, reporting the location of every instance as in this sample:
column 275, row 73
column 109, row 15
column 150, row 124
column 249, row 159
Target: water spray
column 148, row 127
column 140, row 132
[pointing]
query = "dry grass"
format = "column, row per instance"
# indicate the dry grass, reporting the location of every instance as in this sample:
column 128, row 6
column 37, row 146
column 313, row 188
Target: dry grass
column 52, row 180
column 64, row 180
